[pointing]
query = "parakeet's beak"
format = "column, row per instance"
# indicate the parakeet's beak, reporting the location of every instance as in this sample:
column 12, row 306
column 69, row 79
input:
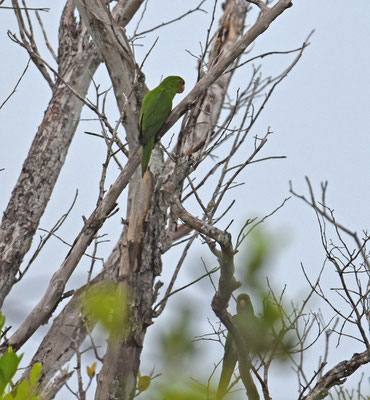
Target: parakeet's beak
column 182, row 88
column 242, row 303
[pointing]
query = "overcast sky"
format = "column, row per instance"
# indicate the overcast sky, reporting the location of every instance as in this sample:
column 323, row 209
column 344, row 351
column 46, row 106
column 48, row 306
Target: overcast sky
column 319, row 116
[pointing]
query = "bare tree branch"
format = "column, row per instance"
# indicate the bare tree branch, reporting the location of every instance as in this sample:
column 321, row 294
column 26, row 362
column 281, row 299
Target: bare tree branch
column 337, row 375
column 16, row 85
column 197, row 8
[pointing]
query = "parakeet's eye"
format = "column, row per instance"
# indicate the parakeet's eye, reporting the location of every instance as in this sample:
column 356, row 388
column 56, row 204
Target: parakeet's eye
column 182, row 87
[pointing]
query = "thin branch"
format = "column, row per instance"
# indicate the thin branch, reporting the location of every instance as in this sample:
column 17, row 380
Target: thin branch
column 197, row 8
column 162, row 304
column 329, row 218
column 141, row 18
column 26, row 8
column 48, row 45
column 149, row 51
column 270, row 53
column 28, row 41
column 260, row 4
column 50, row 233
column 337, row 375
column 164, row 300
column 53, row 388
column 17, row 84
column 262, row 220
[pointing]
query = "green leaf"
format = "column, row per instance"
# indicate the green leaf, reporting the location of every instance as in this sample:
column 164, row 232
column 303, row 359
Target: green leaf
column 271, row 312
column 177, row 342
column 9, row 364
column 35, row 373
column 143, row 383
column 8, row 396
column 258, row 254
column 3, row 382
column 108, row 304
column 2, row 320
column 178, row 391
column 23, row 390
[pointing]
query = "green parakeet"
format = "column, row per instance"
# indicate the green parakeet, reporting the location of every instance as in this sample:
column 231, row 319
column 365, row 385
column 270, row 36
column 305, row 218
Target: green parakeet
column 246, row 322
column 156, row 107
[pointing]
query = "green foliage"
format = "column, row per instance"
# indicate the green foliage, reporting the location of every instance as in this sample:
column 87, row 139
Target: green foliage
column 143, row 382
column 276, row 324
column 271, row 313
column 8, row 367
column 9, row 362
column 2, row 321
column 35, row 373
column 26, row 390
column 108, row 304
column 176, row 391
column 23, row 390
column 177, row 342
column 258, row 253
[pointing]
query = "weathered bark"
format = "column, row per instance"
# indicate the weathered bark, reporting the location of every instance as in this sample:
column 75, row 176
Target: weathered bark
column 69, row 328
column 53, row 294
column 113, row 45
column 140, row 265
column 79, row 61
column 117, row 378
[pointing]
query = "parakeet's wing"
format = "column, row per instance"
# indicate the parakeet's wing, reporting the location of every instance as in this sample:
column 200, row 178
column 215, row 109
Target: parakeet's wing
column 155, row 109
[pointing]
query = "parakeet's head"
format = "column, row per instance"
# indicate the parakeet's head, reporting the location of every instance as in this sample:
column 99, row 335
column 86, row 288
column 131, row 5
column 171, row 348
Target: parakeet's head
column 244, row 304
column 175, row 83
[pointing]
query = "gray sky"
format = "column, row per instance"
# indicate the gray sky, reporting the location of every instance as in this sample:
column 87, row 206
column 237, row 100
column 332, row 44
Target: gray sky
column 319, row 116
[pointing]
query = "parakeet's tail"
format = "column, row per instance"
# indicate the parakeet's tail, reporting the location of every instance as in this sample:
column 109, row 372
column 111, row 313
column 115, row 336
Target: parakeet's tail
column 227, row 371
column 225, row 379
column 145, row 155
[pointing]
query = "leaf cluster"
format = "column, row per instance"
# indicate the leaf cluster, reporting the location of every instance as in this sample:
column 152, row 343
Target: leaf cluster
column 9, row 362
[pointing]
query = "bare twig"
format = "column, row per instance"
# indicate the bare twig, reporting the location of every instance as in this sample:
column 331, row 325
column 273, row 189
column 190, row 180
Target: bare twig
column 50, row 233
column 26, row 8
column 323, row 212
column 164, row 300
column 53, row 388
column 260, row 4
column 158, row 308
column 197, row 8
column 16, row 85
column 148, row 52
column 337, row 375
column 48, row 45
column 242, row 235
column 28, row 41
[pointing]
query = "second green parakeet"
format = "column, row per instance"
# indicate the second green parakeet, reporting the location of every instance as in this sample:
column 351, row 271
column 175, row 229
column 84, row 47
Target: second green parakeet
column 246, row 322
column 156, row 107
